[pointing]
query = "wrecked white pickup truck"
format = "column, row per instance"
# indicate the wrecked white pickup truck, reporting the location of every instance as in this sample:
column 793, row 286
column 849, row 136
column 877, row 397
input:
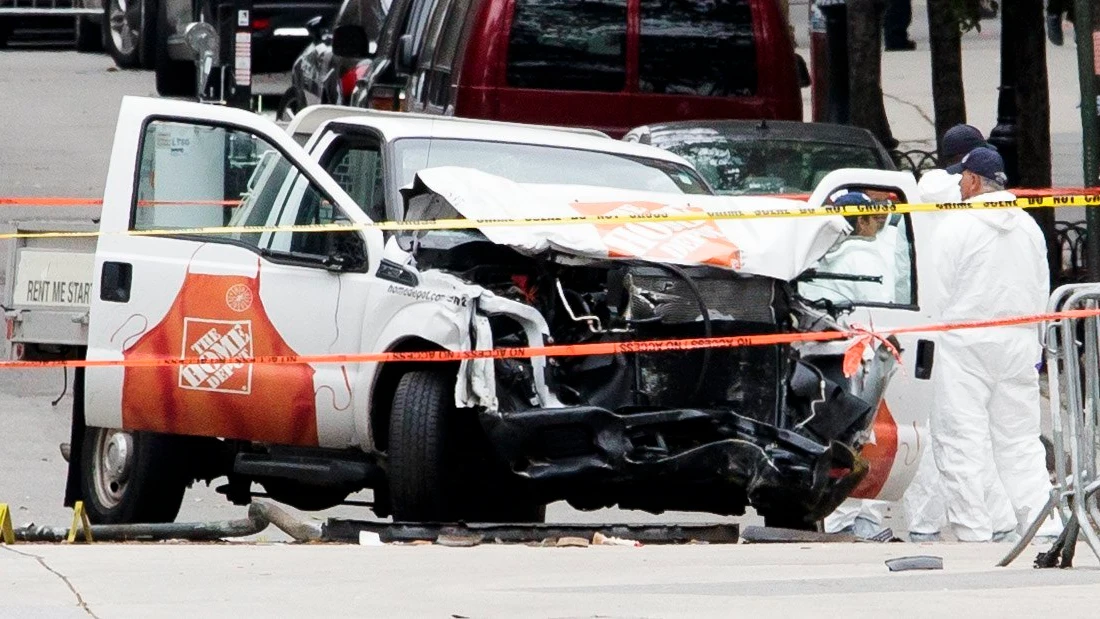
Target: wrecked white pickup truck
column 780, row 428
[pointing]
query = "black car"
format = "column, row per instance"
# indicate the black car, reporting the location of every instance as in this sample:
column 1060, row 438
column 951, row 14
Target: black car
column 320, row 75
column 739, row 157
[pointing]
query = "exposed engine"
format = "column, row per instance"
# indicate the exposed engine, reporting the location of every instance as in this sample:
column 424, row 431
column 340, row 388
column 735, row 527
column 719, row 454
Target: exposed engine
column 763, row 422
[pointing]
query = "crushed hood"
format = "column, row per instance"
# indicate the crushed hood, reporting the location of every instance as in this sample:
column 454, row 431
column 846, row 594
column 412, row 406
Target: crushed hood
column 781, row 248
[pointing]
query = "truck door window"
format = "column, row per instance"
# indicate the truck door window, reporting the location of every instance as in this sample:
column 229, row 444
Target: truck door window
column 194, row 176
column 873, row 265
column 680, row 40
column 566, row 45
column 357, row 168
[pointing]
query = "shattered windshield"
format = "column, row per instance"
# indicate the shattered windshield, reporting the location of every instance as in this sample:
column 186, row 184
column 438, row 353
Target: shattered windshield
column 751, row 167
column 546, row 165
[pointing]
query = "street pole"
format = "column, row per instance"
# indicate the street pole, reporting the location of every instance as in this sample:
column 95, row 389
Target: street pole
column 838, row 109
column 1003, row 136
column 1084, row 13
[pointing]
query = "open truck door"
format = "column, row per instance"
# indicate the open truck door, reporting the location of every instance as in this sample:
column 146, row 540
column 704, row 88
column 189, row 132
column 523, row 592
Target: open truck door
column 894, row 256
column 216, row 296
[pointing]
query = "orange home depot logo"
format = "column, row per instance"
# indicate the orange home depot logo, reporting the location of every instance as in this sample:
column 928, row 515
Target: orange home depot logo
column 700, row 242
column 214, row 341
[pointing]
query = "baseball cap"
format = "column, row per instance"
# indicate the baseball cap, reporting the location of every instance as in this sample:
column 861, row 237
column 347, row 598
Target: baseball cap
column 984, row 162
column 962, row 139
column 852, row 198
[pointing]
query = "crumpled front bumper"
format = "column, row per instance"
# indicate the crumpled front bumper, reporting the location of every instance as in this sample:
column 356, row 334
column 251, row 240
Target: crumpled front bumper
column 673, row 459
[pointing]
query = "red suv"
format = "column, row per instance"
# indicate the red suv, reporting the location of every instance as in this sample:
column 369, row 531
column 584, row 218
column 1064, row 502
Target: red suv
column 605, row 64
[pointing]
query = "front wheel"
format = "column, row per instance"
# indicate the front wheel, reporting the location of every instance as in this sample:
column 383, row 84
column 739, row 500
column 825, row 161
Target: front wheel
column 130, row 477
column 440, row 463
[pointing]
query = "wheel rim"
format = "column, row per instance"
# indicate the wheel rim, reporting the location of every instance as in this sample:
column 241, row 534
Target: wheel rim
column 113, row 457
column 125, row 18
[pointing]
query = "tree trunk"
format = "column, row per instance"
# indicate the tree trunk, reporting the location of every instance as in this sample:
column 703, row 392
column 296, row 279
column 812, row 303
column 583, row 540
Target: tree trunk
column 865, row 57
column 1033, row 109
column 945, row 42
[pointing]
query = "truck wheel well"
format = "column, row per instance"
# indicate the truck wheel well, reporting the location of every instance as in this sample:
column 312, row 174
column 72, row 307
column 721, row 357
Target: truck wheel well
column 386, row 384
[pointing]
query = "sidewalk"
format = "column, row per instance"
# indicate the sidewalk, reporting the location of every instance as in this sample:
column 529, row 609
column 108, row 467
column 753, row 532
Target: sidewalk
column 785, row 580
column 907, row 83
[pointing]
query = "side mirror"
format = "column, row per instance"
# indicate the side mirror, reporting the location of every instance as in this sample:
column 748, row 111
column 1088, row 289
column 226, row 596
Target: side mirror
column 804, row 80
column 351, row 41
column 315, row 26
column 403, row 60
column 346, row 252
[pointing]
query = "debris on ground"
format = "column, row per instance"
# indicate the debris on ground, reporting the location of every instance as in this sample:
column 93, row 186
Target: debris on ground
column 459, row 540
column 369, row 538
column 599, row 539
column 776, row 535
column 916, row 562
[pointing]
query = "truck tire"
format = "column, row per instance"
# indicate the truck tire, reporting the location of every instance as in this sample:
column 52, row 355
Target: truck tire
column 175, row 78
column 439, row 465
column 131, row 32
column 130, row 477
column 88, row 35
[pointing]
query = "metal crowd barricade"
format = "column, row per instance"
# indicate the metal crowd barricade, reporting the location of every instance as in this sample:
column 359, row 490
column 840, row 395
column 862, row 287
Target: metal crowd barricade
column 1075, row 411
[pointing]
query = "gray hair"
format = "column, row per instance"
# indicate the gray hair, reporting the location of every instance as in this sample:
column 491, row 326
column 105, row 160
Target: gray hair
column 989, row 185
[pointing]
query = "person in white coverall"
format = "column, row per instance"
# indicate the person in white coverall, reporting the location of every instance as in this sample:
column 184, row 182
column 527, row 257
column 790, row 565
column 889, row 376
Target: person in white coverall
column 923, row 501
column 868, row 250
column 862, row 252
column 988, row 264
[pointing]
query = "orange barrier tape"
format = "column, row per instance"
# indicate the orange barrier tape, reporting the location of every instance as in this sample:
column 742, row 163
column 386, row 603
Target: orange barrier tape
column 563, row 350
column 49, row 201
column 35, row 201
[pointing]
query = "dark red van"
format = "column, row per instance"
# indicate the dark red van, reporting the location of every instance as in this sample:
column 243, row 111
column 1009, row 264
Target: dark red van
column 605, row 64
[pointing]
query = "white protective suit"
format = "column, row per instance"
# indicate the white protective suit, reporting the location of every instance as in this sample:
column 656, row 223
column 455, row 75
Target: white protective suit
column 934, row 186
column 857, row 256
column 923, row 501
column 940, row 186
column 989, row 264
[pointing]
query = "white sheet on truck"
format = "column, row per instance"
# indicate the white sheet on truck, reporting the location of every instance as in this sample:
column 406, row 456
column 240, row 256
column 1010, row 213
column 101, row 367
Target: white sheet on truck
column 781, row 248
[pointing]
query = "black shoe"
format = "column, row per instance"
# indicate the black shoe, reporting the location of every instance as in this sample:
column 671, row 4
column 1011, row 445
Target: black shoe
column 901, row 46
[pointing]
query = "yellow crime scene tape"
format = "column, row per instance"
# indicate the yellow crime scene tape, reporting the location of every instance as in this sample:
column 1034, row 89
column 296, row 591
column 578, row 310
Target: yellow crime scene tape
column 772, row 212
